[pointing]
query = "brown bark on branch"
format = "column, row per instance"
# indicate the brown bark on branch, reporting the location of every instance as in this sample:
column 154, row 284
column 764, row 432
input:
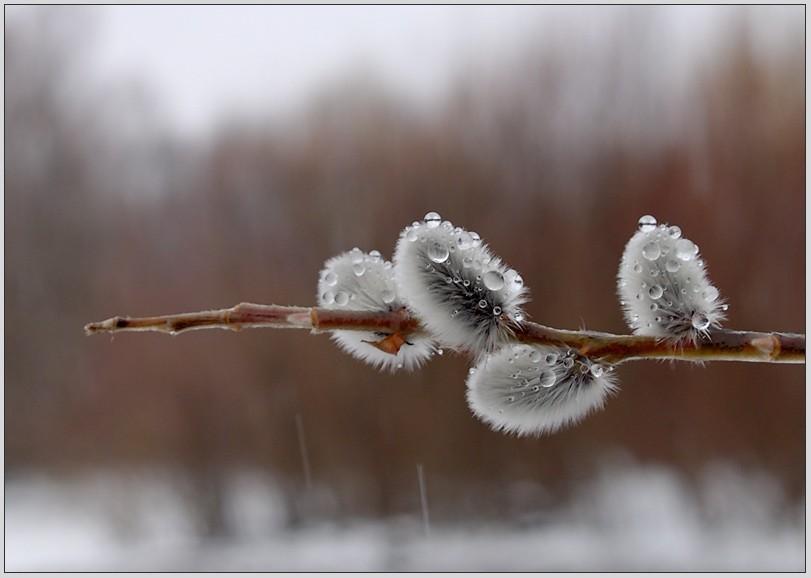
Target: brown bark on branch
column 721, row 345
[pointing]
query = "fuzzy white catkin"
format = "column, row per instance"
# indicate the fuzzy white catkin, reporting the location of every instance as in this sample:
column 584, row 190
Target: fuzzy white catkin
column 663, row 286
column 532, row 390
column 365, row 282
column 462, row 293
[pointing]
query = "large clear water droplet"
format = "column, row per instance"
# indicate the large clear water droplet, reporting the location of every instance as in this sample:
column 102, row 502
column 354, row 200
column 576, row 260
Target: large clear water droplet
column 597, row 370
column 647, row 223
column 700, row 321
column 547, row 378
column 672, row 266
column 387, row 296
column 535, row 356
column 328, row 298
column 655, row 291
column 341, row 298
column 686, row 249
column 438, row 253
column 432, row 220
column 493, row 280
column 358, row 269
column 651, row 251
column 411, row 235
column 674, row 232
column 330, row 278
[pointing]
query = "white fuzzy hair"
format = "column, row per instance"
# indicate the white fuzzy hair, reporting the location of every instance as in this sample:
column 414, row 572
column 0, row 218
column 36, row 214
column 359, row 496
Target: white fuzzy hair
column 658, row 259
column 510, row 389
column 446, row 295
column 367, row 282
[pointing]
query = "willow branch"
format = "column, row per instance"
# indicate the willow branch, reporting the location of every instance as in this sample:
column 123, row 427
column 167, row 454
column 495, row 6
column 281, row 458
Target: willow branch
column 720, row 345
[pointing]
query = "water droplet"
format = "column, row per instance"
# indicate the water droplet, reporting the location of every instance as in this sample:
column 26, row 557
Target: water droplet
column 518, row 317
column 438, row 253
column 700, row 321
column 467, row 262
column 496, row 310
column 464, row 241
column 493, row 280
column 551, row 358
column 654, row 306
column 711, row 293
column 651, row 251
column 724, row 307
column 597, row 370
column 686, row 249
column 535, row 356
column 330, row 278
column 476, row 239
column 341, row 298
column 432, row 220
column 483, row 304
column 547, row 378
column 411, row 235
column 356, row 255
column 672, row 266
column 647, row 223
column 674, row 232
column 440, row 351
column 466, row 283
column 358, row 269
column 568, row 363
column 387, row 296
column 471, row 371
column 637, row 268
column 399, row 366
column 655, row 291
column 447, row 225
column 638, row 296
column 375, row 254
column 654, row 272
column 328, row 298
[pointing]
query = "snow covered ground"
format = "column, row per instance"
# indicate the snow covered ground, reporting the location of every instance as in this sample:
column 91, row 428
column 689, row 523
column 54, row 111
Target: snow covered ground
column 625, row 519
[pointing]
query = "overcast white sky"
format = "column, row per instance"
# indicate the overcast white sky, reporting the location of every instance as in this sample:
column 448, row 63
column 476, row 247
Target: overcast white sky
column 209, row 61
column 203, row 63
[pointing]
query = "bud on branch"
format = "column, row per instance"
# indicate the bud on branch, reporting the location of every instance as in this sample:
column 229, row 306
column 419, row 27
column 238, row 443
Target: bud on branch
column 447, row 288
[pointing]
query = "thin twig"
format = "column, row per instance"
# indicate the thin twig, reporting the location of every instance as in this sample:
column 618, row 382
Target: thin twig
column 719, row 345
